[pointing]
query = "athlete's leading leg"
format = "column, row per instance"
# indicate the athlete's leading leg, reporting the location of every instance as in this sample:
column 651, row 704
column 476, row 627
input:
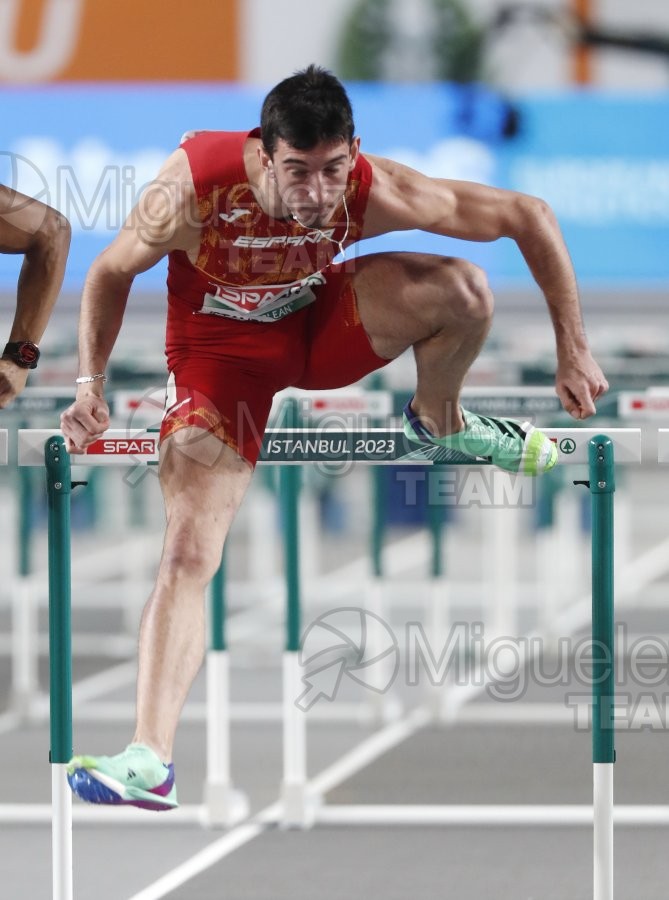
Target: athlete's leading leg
column 442, row 308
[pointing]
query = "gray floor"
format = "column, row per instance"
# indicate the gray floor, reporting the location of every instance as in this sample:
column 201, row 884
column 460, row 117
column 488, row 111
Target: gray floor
column 466, row 763
column 344, row 864
column 459, row 864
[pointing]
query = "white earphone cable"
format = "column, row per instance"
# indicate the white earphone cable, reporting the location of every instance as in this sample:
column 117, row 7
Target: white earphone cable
column 339, row 244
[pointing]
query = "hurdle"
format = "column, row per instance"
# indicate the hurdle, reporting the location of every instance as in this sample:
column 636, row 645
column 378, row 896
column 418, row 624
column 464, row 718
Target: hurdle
column 59, row 488
column 141, row 408
column 601, row 482
column 290, row 446
column 584, row 445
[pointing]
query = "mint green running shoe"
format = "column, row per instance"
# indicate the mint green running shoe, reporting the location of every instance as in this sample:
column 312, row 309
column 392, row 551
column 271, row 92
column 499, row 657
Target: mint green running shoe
column 513, row 447
column 136, row 777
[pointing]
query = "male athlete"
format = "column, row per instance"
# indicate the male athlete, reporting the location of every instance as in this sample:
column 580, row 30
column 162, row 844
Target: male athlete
column 251, row 222
column 43, row 236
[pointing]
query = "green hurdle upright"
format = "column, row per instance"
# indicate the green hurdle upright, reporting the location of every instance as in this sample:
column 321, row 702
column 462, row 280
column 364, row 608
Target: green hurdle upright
column 59, row 488
column 602, row 487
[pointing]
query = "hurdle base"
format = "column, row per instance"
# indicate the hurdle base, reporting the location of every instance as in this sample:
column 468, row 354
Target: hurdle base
column 224, row 805
column 298, row 806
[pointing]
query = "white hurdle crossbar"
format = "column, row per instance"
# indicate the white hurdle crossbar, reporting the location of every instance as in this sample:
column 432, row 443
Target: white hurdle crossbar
column 285, row 446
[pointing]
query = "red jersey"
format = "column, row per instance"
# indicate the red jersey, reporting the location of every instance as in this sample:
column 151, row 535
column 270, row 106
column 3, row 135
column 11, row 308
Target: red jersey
column 250, row 266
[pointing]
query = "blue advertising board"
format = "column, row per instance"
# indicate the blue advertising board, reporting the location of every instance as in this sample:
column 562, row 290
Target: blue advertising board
column 600, row 160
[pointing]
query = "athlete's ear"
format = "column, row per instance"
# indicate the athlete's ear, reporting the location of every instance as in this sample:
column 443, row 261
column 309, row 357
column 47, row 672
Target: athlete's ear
column 265, row 160
column 355, row 151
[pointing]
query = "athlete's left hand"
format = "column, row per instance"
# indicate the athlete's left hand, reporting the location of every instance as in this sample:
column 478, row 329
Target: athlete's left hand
column 12, row 381
column 579, row 381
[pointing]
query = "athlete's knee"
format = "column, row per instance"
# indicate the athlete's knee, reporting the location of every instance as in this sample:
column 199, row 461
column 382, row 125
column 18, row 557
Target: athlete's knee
column 468, row 290
column 191, row 553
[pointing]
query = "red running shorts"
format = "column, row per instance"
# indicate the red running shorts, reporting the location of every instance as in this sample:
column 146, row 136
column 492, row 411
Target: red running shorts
column 224, row 373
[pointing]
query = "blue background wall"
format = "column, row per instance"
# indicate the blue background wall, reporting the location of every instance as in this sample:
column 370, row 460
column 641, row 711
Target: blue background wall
column 602, row 161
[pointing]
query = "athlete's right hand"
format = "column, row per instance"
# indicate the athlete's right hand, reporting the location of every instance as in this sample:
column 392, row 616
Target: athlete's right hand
column 84, row 422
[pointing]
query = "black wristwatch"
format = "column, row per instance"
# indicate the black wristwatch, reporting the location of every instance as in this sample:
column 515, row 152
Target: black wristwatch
column 24, row 353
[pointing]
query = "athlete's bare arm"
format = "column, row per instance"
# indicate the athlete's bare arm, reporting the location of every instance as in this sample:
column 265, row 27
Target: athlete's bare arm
column 43, row 236
column 403, row 199
column 165, row 219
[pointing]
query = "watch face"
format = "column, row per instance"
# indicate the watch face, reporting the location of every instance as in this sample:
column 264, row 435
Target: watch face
column 23, row 353
column 28, row 353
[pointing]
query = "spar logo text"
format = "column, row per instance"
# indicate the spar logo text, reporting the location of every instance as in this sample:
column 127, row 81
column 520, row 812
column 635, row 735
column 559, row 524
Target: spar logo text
column 124, row 447
column 261, row 296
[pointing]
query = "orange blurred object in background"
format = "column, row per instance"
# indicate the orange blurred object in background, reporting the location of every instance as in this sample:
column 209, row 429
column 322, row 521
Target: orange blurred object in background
column 582, row 56
column 119, row 40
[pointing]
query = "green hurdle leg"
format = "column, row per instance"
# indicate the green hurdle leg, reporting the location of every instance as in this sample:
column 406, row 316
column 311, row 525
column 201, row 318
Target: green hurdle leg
column 602, row 487
column 435, row 514
column 217, row 605
column 59, row 488
column 289, row 493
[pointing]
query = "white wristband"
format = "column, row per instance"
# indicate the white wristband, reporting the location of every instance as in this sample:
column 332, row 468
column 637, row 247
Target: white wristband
column 87, row 379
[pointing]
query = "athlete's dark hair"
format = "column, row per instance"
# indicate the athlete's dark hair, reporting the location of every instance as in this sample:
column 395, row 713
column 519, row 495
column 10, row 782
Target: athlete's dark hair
column 306, row 109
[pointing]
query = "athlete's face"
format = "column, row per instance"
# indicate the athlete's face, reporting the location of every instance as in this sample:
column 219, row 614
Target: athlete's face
column 312, row 182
